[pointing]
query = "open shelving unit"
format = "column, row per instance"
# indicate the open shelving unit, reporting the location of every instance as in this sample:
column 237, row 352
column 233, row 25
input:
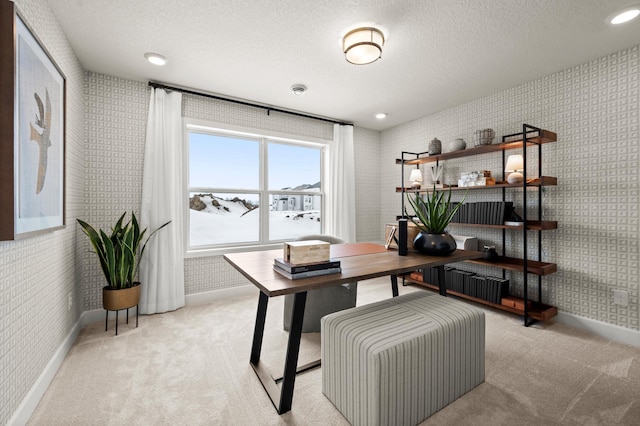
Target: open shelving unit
column 529, row 264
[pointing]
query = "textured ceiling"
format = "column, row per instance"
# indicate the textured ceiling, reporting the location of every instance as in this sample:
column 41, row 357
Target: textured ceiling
column 438, row 53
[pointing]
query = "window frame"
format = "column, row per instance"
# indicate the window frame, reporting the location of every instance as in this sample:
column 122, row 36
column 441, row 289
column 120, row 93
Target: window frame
column 264, row 137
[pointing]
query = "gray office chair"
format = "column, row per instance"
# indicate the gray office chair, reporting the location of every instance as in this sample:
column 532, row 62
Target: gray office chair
column 322, row 301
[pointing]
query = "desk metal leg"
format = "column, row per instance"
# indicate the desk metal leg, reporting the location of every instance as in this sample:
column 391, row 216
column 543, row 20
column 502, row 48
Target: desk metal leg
column 258, row 331
column 281, row 397
column 394, row 285
column 441, row 284
column 293, row 349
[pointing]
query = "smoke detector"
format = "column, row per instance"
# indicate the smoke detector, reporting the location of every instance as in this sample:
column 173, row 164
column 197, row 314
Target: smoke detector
column 298, row 89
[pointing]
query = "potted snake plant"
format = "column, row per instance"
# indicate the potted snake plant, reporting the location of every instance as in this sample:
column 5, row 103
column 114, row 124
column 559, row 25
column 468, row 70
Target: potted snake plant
column 119, row 253
column 434, row 212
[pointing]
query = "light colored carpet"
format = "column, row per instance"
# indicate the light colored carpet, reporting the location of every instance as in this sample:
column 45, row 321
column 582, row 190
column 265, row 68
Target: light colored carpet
column 190, row 367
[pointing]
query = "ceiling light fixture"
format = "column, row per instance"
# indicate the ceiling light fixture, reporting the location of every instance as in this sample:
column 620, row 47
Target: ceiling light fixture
column 624, row 15
column 363, row 45
column 381, row 115
column 298, row 89
column 155, row 58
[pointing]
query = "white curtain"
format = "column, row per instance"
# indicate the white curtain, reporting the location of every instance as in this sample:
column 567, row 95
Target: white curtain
column 340, row 202
column 162, row 266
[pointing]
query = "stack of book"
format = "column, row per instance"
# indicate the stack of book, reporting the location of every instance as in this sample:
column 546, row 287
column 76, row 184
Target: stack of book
column 295, row 272
column 491, row 289
column 484, row 212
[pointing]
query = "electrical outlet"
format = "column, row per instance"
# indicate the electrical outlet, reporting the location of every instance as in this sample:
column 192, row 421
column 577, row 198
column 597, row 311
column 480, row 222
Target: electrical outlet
column 69, row 301
column 620, row 297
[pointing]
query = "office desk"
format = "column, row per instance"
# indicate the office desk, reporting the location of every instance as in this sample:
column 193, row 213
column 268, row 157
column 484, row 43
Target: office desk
column 359, row 261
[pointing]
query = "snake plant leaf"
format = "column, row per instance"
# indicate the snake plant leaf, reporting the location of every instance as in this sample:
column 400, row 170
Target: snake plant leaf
column 97, row 244
column 111, row 260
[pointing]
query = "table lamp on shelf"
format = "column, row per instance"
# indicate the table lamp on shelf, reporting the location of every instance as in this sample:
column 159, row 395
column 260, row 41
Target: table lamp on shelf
column 515, row 167
column 416, row 179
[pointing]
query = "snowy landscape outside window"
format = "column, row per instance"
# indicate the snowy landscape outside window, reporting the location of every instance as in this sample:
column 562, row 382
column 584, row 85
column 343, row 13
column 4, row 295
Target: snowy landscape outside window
column 251, row 190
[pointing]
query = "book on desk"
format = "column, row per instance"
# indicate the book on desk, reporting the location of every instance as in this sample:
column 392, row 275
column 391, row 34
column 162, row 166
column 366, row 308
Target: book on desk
column 308, row 270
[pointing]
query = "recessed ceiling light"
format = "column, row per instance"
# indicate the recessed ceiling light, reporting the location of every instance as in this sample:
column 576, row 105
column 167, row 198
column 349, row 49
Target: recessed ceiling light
column 381, row 115
column 155, row 58
column 624, row 15
column 298, row 89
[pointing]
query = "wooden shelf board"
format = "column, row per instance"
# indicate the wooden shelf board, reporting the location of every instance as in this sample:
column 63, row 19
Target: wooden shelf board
column 532, row 225
column 513, row 264
column 545, row 137
column 537, row 311
column 536, row 182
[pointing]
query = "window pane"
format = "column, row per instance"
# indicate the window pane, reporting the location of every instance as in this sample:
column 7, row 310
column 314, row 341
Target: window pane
column 223, row 162
column 291, row 216
column 293, row 167
column 223, row 218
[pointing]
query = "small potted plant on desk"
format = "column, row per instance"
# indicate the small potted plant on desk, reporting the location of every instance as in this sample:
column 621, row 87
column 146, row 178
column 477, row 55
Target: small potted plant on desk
column 119, row 260
column 434, row 213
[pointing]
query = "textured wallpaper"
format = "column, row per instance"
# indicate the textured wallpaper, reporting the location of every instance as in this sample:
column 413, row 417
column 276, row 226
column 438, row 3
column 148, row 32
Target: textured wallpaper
column 594, row 108
column 38, row 275
column 115, row 125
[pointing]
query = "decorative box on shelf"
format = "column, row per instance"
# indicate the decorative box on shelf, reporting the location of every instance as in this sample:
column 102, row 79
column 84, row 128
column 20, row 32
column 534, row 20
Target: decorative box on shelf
column 303, row 252
column 482, row 178
column 391, row 235
column 466, row 243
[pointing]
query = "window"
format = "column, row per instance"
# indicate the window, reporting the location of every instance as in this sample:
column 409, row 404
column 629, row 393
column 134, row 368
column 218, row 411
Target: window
column 248, row 189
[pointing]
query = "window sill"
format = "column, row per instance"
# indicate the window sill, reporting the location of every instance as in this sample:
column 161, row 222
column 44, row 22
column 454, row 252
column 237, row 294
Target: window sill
column 224, row 250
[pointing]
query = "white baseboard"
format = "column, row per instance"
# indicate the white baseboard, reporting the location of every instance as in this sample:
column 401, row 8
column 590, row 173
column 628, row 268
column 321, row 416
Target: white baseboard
column 28, row 405
column 225, row 293
column 602, row 329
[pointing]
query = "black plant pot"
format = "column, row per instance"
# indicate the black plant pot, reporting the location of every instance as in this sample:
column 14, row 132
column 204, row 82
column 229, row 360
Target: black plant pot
column 434, row 244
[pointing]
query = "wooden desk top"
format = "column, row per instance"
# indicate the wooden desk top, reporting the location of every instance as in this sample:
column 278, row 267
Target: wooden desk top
column 359, row 261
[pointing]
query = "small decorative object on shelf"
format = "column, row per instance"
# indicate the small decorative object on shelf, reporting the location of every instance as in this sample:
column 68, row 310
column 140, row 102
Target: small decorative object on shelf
column 514, row 167
column 457, row 145
column 483, row 178
column 416, row 179
column 435, row 147
column 436, row 175
column 490, row 253
column 484, row 137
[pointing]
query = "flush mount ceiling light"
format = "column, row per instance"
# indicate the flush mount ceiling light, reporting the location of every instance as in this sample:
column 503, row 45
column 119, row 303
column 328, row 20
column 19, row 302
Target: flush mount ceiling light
column 381, row 115
column 363, row 45
column 624, row 15
column 298, row 89
column 155, row 58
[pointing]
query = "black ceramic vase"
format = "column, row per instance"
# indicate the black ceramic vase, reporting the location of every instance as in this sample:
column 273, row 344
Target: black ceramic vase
column 434, row 244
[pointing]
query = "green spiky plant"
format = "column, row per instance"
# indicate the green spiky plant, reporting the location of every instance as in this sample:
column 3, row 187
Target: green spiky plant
column 435, row 212
column 118, row 252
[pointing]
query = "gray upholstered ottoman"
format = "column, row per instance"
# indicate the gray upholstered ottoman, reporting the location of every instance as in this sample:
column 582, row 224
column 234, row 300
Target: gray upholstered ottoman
column 398, row 361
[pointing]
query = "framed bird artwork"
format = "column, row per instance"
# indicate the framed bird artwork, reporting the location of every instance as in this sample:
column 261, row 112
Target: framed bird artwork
column 32, row 132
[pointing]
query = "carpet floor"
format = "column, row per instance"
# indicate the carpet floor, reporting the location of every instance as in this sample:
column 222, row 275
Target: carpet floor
column 190, row 367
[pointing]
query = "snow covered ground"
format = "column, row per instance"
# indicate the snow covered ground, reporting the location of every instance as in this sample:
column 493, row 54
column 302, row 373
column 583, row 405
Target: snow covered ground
column 234, row 222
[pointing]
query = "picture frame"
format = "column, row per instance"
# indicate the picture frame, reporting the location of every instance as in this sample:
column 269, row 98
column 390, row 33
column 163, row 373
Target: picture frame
column 32, row 132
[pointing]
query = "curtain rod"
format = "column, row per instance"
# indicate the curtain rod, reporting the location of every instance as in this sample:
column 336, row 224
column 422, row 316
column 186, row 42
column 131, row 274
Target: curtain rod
column 220, row 98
